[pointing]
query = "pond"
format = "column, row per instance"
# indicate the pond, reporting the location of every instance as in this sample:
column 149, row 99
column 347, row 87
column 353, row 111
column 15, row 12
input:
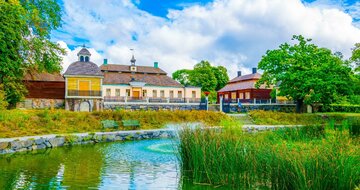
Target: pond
column 146, row 164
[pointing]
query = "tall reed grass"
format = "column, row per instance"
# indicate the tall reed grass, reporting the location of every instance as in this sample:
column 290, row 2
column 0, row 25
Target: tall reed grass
column 312, row 157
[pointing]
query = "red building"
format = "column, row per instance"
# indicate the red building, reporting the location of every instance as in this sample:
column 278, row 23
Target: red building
column 243, row 88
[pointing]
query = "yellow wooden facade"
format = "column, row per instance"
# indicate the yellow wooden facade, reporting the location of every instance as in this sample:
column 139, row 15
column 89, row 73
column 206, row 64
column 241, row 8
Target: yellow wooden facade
column 83, row 84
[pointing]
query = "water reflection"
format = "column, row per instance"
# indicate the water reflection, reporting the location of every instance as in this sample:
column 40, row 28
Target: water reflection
column 149, row 164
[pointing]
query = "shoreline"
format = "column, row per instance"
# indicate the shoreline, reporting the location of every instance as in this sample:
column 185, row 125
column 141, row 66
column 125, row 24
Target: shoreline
column 29, row 143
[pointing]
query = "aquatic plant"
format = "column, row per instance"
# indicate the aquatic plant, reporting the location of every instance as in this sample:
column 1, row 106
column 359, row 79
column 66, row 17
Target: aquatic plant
column 313, row 157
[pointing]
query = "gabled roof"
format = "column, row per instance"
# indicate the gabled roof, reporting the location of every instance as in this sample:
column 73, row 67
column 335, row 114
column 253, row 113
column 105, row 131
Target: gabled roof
column 242, row 82
column 149, row 79
column 43, row 76
column 254, row 76
column 83, row 68
column 126, row 68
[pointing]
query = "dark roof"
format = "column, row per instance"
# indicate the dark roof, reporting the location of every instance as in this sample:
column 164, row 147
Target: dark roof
column 242, row 82
column 149, row 79
column 126, row 68
column 84, row 51
column 43, row 76
column 246, row 77
column 83, row 68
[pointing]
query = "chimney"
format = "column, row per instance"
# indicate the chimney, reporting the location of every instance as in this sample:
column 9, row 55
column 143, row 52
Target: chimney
column 105, row 61
column 239, row 73
column 156, row 65
column 254, row 70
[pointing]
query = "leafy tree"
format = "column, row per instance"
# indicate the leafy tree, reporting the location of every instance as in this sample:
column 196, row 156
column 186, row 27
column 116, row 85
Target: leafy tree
column 203, row 76
column 222, row 77
column 182, row 76
column 208, row 77
column 3, row 102
column 306, row 73
column 25, row 42
column 356, row 56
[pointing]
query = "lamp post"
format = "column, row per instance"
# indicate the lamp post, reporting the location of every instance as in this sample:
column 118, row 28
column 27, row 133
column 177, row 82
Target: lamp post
column 207, row 100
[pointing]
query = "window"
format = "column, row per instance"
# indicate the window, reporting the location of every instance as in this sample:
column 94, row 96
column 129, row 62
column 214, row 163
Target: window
column 117, row 92
column 87, row 59
column 226, row 96
column 241, row 95
column 82, row 58
column 247, row 95
column 144, row 93
column 171, row 94
column 162, row 94
column 179, row 94
column 193, row 94
column 154, row 93
column 108, row 92
column 233, row 95
column 128, row 92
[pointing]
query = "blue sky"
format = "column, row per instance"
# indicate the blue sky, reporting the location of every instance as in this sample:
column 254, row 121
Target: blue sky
column 180, row 33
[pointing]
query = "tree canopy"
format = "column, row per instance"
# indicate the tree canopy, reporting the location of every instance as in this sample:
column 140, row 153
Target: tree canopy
column 25, row 42
column 356, row 56
column 306, row 73
column 204, row 75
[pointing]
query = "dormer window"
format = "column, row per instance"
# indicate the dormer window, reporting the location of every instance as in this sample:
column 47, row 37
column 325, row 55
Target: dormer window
column 81, row 58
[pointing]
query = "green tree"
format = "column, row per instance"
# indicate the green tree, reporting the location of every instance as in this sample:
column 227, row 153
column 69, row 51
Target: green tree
column 182, row 76
column 25, row 42
column 208, row 77
column 3, row 102
column 222, row 77
column 306, row 73
column 203, row 76
column 355, row 58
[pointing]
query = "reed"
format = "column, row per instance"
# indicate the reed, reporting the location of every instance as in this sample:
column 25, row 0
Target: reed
column 313, row 157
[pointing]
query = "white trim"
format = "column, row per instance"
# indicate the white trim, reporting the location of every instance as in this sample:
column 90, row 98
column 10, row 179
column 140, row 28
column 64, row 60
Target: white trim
column 82, row 76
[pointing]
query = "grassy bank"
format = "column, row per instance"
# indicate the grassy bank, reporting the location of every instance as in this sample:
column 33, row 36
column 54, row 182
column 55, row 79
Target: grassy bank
column 280, row 118
column 293, row 158
column 15, row 123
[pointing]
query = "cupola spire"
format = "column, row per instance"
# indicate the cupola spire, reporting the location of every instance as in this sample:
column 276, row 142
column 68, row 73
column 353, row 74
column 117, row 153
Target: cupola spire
column 84, row 54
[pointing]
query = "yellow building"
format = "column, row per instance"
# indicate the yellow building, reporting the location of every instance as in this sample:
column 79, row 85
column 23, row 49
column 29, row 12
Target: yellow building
column 83, row 84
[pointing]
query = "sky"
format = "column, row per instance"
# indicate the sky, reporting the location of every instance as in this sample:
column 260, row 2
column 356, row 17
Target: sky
column 180, row 33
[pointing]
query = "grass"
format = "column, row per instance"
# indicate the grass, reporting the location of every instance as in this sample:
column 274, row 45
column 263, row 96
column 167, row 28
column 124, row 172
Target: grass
column 280, row 118
column 312, row 157
column 15, row 123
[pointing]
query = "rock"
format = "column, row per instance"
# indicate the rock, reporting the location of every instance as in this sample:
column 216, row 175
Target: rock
column 27, row 143
column 4, row 145
column 15, row 145
column 39, row 141
column 110, row 138
column 57, row 141
column 47, row 144
column 40, row 146
column 119, row 138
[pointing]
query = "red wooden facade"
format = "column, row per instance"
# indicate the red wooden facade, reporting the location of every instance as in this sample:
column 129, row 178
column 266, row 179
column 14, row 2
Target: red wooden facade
column 45, row 86
column 242, row 88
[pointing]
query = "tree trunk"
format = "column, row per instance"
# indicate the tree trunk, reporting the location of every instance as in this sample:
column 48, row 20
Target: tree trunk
column 299, row 104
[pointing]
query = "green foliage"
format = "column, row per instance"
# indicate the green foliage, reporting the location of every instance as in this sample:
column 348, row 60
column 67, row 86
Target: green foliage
column 25, row 43
column 306, row 73
column 356, row 56
column 261, row 117
column 3, row 102
column 341, row 108
column 291, row 158
column 204, row 75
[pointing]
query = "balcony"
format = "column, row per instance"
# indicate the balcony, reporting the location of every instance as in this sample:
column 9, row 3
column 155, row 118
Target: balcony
column 82, row 93
column 150, row 100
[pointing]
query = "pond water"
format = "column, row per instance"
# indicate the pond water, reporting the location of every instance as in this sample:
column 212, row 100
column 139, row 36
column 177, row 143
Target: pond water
column 146, row 164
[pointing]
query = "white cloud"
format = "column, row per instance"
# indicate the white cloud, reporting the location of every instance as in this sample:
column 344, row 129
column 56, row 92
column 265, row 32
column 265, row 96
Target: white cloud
column 232, row 33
